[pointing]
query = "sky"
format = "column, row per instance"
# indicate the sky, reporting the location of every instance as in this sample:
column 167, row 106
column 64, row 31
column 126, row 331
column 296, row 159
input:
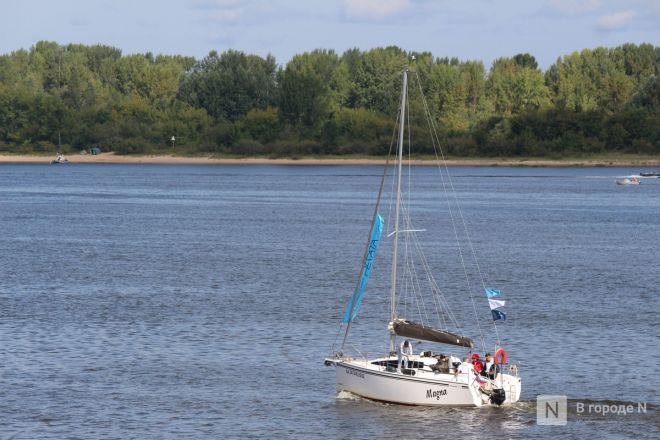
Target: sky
column 468, row 29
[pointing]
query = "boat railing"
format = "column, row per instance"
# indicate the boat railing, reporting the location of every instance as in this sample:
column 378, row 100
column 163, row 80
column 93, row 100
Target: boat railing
column 514, row 369
column 360, row 355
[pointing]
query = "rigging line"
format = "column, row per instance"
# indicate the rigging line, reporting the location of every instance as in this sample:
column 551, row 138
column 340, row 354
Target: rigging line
column 423, row 314
column 410, row 298
column 461, row 254
column 427, row 270
column 415, row 243
column 465, row 228
column 353, row 300
column 440, row 303
column 413, row 273
column 414, row 292
column 433, row 131
column 460, row 211
column 444, row 305
column 449, row 205
column 416, row 298
column 419, row 299
column 406, row 287
column 434, row 284
column 395, row 131
column 414, row 239
column 411, row 292
column 366, row 251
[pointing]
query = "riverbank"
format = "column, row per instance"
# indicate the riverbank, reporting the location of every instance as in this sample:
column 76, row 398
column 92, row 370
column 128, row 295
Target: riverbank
column 111, row 158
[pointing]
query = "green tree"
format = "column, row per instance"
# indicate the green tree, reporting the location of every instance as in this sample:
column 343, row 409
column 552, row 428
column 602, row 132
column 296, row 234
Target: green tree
column 514, row 89
column 526, row 60
column 262, row 125
column 312, row 86
column 376, row 76
column 231, row 84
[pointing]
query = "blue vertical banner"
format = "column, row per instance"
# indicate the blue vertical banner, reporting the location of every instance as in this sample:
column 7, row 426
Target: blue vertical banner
column 356, row 298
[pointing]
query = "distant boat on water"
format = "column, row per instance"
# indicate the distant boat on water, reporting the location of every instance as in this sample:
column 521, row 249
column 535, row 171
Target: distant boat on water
column 651, row 174
column 628, row 181
column 59, row 158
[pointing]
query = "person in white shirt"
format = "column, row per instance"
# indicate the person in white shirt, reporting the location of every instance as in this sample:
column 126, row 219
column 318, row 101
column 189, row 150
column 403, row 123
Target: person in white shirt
column 491, row 369
column 405, row 351
column 465, row 367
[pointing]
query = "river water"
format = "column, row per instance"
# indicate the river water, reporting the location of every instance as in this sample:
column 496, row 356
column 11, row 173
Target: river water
column 145, row 301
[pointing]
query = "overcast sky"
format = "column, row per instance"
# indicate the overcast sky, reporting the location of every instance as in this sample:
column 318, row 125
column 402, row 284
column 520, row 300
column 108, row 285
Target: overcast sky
column 469, row 29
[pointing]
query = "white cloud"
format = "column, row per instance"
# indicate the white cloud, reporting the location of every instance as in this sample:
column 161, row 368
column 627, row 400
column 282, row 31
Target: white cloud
column 575, row 7
column 374, row 9
column 616, row 20
column 219, row 10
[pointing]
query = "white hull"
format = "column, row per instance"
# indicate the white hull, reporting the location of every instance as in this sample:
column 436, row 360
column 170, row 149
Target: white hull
column 424, row 388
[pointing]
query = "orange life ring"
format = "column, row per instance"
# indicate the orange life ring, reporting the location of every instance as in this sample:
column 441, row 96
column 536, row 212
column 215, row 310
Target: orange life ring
column 500, row 357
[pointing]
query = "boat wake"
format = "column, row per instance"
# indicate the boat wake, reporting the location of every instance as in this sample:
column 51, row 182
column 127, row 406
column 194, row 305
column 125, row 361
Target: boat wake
column 347, row 395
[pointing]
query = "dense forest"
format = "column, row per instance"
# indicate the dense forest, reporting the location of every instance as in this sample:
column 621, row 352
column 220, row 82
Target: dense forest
column 594, row 101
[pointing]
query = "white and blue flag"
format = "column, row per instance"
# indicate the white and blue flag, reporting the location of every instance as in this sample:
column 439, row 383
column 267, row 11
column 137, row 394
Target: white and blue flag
column 491, row 294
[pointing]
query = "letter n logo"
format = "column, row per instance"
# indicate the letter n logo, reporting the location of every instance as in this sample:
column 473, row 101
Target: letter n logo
column 551, row 410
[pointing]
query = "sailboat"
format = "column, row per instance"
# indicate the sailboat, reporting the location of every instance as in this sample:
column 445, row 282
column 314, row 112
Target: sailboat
column 429, row 377
column 59, row 158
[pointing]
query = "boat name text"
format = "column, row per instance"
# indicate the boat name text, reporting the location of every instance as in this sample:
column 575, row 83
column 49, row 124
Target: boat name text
column 355, row 373
column 430, row 394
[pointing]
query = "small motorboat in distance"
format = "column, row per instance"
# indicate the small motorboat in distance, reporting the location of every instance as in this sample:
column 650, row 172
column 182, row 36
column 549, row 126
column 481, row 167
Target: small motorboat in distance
column 651, row 174
column 60, row 159
column 628, row 181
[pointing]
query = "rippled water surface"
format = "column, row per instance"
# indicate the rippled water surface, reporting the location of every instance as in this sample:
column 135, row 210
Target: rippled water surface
column 199, row 301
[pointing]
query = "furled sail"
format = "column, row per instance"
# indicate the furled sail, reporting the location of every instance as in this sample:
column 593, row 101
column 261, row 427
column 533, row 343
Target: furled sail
column 409, row 329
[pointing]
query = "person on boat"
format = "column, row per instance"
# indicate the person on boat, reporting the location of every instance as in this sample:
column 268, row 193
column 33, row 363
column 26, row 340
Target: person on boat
column 477, row 363
column 491, row 369
column 465, row 367
column 405, row 351
column 442, row 365
column 454, row 362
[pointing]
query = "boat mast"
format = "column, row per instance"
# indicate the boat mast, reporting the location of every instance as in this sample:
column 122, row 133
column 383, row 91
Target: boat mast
column 395, row 250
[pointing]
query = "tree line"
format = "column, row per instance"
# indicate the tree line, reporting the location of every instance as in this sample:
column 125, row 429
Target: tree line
column 592, row 101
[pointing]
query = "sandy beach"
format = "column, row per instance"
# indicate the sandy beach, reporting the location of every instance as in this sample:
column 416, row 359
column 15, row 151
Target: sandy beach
column 111, row 158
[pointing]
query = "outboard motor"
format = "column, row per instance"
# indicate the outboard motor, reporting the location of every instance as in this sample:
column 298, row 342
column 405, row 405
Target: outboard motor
column 498, row 396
